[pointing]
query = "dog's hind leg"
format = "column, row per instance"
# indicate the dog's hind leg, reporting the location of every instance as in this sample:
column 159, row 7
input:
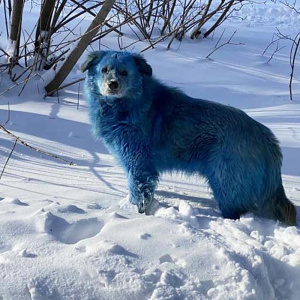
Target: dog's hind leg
column 253, row 191
column 233, row 187
column 230, row 211
column 228, row 205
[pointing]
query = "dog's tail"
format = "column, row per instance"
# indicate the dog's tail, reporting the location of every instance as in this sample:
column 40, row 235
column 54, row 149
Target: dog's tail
column 284, row 210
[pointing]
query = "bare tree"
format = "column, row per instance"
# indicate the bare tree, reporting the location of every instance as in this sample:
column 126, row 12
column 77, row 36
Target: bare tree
column 43, row 35
column 173, row 19
column 82, row 44
column 295, row 43
column 197, row 30
column 293, row 55
column 15, row 30
column 177, row 17
column 225, row 9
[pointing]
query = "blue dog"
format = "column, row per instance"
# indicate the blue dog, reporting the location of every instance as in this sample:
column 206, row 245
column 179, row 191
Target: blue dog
column 152, row 128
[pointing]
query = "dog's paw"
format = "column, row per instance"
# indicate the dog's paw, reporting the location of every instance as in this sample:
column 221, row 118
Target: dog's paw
column 141, row 208
column 145, row 203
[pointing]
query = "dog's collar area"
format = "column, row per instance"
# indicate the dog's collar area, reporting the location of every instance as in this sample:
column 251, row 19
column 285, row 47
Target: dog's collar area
column 111, row 100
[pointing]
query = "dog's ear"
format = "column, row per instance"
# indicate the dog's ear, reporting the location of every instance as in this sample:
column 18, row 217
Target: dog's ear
column 142, row 64
column 92, row 59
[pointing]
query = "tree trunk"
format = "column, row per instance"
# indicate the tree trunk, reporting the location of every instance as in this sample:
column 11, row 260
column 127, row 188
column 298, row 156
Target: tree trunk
column 197, row 31
column 167, row 22
column 218, row 22
column 77, row 51
column 42, row 35
column 15, row 29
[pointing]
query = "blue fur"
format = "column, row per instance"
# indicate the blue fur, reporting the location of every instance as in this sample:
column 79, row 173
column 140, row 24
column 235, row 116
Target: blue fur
column 154, row 129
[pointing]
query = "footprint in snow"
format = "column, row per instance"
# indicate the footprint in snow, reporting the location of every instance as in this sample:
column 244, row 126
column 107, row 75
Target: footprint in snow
column 71, row 209
column 166, row 258
column 94, row 205
column 170, row 278
column 15, row 201
column 116, row 215
column 25, row 253
column 81, row 248
column 145, row 236
column 39, row 290
column 68, row 233
column 167, row 285
column 165, row 292
column 19, row 202
column 119, row 250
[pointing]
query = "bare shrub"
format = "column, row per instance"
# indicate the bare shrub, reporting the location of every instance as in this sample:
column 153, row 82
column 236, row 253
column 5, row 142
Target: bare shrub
column 56, row 30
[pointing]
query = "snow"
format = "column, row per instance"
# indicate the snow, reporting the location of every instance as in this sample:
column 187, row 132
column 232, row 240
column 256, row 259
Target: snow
column 69, row 232
column 11, row 47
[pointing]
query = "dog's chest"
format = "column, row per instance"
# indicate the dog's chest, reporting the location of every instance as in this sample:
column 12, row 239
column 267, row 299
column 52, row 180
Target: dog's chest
column 116, row 125
column 111, row 120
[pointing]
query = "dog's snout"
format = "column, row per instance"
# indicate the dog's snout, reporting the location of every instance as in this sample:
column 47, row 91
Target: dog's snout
column 113, row 85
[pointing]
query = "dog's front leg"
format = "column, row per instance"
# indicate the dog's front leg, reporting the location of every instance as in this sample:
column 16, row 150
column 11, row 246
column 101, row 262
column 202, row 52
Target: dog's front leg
column 136, row 157
column 141, row 187
column 142, row 175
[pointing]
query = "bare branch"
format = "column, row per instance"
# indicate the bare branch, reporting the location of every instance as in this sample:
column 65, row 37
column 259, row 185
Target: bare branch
column 275, row 51
column 9, row 156
column 80, row 47
column 227, row 43
column 64, row 86
column 17, row 139
column 293, row 58
column 8, row 115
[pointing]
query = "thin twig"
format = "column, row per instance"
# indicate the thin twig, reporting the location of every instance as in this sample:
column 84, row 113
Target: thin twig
column 167, row 35
column 10, row 154
column 8, row 115
column 78, row 96
column 1, row 49
column 293, row 58
column 291, row 6
column 293, row 53
column 10, row 88
column 271, row 43
column 35, row 149
column 219, row 39
column 227, row 43
column 275, row 51
column 64, row 86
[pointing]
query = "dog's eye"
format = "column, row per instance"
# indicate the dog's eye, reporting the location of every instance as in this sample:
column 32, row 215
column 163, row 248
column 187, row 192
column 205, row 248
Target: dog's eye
column 104, row 70
column 124, row 73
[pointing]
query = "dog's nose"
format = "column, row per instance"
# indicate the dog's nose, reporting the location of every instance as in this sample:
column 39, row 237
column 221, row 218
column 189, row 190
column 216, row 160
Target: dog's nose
column 113, row 85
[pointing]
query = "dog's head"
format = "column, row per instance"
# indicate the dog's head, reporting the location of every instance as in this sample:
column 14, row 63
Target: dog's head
column 116, row 74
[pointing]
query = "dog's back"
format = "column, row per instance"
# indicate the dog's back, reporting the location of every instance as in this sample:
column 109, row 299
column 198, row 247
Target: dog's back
column 240, row 157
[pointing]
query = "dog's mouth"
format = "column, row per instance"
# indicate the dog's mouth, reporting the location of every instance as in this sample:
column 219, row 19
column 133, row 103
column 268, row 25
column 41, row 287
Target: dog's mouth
column 115, row 93
column 111, row 90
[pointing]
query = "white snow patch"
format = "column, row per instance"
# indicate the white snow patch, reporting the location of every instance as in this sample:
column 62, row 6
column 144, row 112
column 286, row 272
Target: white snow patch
column 11, row 48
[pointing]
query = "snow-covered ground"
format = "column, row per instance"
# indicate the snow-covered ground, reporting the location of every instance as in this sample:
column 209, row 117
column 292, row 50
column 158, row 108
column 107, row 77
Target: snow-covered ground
column 68, row 232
